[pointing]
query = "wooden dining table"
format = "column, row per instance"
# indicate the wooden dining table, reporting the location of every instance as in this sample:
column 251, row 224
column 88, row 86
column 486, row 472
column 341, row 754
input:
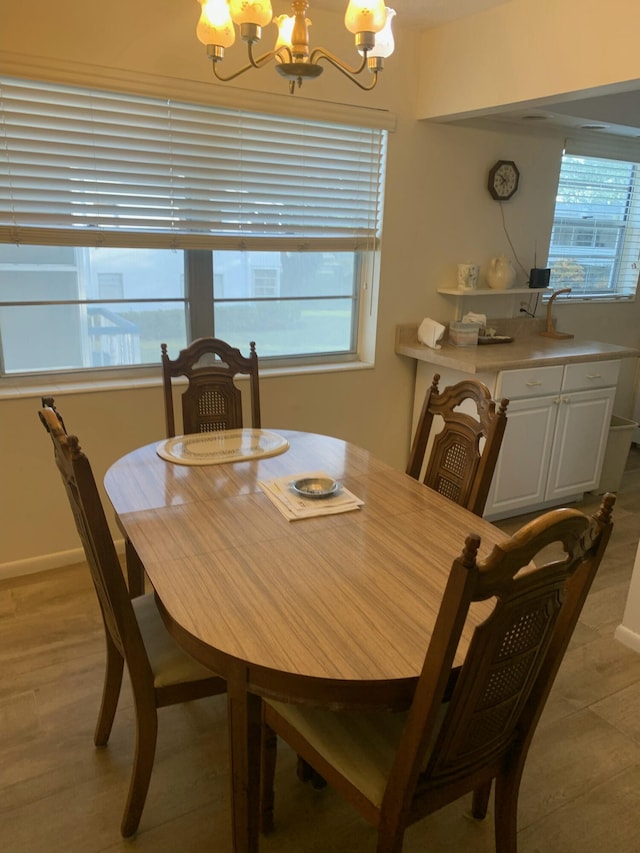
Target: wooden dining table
column 335, row 609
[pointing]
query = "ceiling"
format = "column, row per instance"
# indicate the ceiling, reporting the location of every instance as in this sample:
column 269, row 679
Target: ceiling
column 616, row 112
column 421, row 13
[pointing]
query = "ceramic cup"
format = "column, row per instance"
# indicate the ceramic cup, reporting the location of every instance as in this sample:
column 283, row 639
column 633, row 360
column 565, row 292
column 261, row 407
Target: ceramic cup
column 468, row 276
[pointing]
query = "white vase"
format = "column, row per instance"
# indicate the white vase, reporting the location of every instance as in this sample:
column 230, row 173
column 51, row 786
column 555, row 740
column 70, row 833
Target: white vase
column 500, row 274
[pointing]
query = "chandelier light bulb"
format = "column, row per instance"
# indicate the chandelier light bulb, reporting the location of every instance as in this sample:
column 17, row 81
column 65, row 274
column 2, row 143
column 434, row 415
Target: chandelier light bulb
column 385, row 44
column 256, row 12
column 365, row 16
column 215, row 25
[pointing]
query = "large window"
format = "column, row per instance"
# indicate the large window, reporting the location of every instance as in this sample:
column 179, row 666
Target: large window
column 595, row 243
column 129, row 221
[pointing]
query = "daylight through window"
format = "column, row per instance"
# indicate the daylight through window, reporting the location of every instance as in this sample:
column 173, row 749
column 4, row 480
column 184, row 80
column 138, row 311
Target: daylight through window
column 595, row 243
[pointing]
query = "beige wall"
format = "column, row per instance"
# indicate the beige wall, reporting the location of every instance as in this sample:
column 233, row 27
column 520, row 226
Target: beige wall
column 437, row 213
column 628, row 631
column 528, row 51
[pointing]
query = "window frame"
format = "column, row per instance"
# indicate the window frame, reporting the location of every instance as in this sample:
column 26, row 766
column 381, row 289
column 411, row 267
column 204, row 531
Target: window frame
column 624, row 223
column 199, row 313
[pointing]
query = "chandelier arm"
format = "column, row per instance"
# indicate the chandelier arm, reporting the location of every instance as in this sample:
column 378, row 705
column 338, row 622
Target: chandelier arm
column 233, row 76
column 283, row 52
column 320, row 53
column 253, row 63
column 348, row 73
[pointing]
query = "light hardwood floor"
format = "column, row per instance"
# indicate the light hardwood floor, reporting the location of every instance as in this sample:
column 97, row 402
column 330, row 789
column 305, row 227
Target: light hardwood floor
column 580, row 793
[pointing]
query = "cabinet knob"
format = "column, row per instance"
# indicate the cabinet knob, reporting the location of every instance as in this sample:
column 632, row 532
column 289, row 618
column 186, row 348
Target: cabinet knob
column 532, row 383
column 594, row 376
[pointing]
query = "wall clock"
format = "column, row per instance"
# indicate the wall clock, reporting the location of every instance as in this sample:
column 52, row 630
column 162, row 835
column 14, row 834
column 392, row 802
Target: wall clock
column 503, row 179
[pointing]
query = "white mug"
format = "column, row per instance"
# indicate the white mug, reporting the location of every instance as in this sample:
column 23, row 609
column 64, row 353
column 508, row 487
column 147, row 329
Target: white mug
column 468, row 276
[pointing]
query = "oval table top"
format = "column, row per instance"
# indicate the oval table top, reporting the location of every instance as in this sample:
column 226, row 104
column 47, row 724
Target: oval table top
column 332, row 608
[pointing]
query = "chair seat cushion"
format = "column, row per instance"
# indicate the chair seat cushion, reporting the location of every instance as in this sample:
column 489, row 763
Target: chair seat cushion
column 361, row 745
column 169, row 663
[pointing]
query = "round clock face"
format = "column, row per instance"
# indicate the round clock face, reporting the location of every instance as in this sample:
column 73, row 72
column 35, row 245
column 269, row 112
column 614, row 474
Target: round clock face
column 503, row 179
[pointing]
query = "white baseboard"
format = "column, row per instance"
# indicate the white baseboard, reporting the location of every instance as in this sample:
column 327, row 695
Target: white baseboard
column 628, row 638
column 44, row 562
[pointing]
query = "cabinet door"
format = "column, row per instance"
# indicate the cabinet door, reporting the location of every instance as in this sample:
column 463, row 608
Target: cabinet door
column 520, row 477
column 580, row 441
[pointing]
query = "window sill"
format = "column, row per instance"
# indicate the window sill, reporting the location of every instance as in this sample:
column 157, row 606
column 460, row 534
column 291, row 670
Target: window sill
column 60, row 385
column 594, row 298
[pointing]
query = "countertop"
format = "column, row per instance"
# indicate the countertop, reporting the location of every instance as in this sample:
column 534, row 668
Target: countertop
column 528, row 349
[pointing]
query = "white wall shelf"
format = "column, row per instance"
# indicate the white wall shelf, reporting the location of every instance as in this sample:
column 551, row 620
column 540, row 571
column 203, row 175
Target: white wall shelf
column 480, row 292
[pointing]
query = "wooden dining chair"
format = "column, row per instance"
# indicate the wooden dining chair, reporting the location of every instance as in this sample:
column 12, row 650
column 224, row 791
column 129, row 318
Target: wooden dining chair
column 161, row 673
column 463, row 454
column 135, row 569
column 469, row 726
column 212, row 401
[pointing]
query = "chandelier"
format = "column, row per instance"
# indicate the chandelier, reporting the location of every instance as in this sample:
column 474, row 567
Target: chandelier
column 368, row 20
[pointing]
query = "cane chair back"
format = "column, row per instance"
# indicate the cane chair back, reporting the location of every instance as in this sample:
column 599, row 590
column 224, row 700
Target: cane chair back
column 160, row 672
column 462, row 456
column 467, row 727
column 212, row 401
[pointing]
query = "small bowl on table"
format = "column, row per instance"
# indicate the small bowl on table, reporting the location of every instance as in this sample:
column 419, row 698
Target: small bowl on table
column 315, row 487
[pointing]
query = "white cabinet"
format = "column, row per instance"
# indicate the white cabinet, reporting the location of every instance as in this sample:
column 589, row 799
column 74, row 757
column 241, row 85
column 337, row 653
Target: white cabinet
column 520, row 478
column 579, row 442
column 557, row 426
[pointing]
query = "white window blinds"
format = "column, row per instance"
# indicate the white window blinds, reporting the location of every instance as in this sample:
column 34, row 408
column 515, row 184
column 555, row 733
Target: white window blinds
column 86, row 168
column 595, row 243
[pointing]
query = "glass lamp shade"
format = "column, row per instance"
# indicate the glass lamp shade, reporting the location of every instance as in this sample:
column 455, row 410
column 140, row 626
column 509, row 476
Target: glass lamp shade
column 385, row 44
column 215, row 25
column 256, row 12
column 285, row 29
column 365, row 16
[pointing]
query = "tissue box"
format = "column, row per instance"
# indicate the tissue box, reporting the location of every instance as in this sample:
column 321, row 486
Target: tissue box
column 463, row 334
